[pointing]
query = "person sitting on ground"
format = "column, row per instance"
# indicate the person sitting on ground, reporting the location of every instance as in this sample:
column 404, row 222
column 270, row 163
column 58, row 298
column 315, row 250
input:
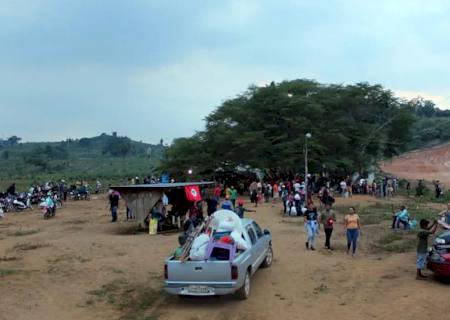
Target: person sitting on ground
column 395, row 216
column 240, row 209
column 445, row 215
column 403, row 218
column 422, row 245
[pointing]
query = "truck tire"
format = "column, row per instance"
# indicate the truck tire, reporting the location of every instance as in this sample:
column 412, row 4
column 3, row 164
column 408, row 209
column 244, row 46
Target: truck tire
column 244, row 292
column 268, row 259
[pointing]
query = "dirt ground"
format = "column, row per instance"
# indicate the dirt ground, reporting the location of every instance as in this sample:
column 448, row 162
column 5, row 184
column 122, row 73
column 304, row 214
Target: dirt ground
column 67, row 267
column 429, row 164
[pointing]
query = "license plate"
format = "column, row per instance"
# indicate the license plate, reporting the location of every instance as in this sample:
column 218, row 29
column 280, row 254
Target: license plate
column 199, row 289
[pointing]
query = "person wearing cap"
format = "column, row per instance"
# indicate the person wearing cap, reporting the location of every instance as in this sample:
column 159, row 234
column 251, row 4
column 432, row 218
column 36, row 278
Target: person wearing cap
column 240, row 209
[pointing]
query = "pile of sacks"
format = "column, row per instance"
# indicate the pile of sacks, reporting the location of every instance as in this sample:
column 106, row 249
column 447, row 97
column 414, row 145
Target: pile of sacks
column 225, row 227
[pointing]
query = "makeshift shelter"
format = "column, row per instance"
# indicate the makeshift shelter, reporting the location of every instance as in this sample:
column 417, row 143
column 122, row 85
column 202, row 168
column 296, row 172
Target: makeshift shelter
column 142, row 198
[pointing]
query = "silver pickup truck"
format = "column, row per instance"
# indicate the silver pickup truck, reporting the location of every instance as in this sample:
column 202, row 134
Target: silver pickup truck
column 209, row 278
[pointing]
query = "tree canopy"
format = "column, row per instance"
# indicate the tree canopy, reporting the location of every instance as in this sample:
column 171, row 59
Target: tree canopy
column 352, row 128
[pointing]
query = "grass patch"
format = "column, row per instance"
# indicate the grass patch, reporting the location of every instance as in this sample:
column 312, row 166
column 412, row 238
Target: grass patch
column 7, row 272
column 64, row 263
column 30, row 246
column 136, row 301
column 393, row 241
column 21, row 233
column 76, row 221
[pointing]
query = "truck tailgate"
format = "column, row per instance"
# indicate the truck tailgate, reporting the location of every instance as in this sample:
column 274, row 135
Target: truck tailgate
column 199, row 271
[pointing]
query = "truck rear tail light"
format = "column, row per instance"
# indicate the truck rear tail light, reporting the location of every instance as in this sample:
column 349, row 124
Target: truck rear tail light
column 166, row 272
column 234, row 273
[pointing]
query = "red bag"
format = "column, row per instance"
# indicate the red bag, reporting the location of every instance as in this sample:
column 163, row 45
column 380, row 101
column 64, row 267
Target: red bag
column 193, row 193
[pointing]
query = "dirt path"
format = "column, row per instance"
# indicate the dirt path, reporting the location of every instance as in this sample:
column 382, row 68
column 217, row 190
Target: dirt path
column 81, row 252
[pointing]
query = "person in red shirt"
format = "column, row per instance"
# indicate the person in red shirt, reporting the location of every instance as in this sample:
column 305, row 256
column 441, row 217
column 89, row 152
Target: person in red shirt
column 217, row 192
column 276, row 195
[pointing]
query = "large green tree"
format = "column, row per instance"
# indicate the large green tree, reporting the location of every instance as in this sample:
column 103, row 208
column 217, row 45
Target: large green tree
column 352, row 128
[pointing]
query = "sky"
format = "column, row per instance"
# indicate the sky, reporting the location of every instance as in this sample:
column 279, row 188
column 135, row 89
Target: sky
column 152, row 69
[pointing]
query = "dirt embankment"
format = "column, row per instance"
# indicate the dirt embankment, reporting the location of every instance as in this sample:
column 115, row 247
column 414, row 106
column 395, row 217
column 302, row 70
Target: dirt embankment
column 429, row 164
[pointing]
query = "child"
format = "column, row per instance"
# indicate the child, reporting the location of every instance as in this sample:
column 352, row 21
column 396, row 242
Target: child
column 422, row 245
column 240, row 209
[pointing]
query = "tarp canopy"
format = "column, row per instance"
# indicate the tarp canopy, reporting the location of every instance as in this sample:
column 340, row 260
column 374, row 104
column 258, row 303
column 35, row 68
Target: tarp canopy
column 141, row 198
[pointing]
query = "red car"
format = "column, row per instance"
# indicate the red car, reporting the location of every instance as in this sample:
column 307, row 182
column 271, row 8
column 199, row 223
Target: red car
column 439, row 257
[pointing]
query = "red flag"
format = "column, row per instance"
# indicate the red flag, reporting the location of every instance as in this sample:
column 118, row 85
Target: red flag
column 193, row 193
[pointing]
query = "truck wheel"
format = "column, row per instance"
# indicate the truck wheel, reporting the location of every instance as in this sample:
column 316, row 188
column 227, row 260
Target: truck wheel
column 269, row 258
column 244, row 292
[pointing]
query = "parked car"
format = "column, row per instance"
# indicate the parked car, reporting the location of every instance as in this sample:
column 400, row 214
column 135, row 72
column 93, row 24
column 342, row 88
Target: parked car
column 439, row 256
column 215, row 277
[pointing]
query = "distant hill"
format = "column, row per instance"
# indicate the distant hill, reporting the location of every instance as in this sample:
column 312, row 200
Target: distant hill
column 108, row 157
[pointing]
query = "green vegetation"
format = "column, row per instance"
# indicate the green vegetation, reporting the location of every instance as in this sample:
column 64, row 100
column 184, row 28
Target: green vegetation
column 110, row 158
column 7, row 272
column 353, row 127
column 20, row 233
column 376, row 219
column 135, row 301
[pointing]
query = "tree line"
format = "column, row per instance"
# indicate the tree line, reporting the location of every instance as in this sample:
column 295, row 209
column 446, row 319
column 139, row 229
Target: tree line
column 352, row 127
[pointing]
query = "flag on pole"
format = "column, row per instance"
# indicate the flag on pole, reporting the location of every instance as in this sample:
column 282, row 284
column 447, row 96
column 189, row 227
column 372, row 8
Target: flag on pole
column 193, row 193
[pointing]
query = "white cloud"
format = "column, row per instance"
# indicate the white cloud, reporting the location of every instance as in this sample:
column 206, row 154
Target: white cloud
column 440, row 100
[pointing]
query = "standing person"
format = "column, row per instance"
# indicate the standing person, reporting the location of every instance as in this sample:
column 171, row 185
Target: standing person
column 343, row 186
column 98, row 186
column 284, row 197
column 254, row 197
column 114, row 203
column 253, row 187
column 328, row 218
column 227, row 192
column 275, row 193
column 211, row 206
column 11, row 189
column 61, row 190
column 240, row 209
column 267, row 192
column 352, row 227
column 422, row 245
column 217, row 192
column 312, row 226
column 233, row 196
column 227, row 204
column 297, row 201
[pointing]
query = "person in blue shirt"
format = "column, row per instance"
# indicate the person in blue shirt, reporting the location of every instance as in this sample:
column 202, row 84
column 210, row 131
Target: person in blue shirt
column 446, row 214
column 402, row 217
column 227, row 204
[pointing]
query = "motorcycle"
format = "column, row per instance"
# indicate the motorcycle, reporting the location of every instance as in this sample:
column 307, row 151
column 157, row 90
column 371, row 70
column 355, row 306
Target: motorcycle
column 49, row 211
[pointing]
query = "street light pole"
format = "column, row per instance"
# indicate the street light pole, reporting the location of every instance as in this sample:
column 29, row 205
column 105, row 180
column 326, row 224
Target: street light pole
column 307, row 136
